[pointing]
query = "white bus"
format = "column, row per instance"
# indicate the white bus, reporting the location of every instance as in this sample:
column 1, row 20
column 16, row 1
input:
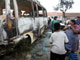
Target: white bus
column 21, row 19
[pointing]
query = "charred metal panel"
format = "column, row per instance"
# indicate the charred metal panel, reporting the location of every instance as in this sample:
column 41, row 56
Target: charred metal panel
column 25, row 24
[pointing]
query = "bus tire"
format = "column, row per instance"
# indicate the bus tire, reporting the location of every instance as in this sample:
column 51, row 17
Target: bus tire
column 23, row 45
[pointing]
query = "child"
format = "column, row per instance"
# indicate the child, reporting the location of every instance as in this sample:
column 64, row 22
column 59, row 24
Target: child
column 58, row 39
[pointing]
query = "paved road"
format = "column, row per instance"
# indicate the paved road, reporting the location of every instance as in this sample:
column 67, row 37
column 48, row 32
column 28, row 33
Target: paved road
column 44, row 47
column 39, row 51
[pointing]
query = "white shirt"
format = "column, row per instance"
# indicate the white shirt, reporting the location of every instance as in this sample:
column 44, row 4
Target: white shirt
column 58, row 40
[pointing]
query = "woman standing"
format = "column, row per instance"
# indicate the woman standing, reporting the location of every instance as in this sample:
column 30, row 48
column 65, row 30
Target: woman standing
column 72, row 34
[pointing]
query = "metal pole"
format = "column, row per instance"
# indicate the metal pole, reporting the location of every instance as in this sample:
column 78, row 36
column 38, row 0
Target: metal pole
column 15, row 8
column 7, row 6
column 33, row 8
column 37, row 10
column 16, row 15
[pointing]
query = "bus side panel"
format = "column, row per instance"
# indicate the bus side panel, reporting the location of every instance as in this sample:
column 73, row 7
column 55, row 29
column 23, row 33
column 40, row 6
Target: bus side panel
column 38, row 23
column 25, row 24
column 45, row 21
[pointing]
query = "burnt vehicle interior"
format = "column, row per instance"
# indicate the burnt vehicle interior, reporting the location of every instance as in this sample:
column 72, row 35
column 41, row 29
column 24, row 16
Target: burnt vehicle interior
column 31, row 9
column 39, row 10
column 10, row 26
column 26, row 6
column 2, row 6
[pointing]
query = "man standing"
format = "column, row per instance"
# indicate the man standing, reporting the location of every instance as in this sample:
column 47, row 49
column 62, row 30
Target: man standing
column 49, row 21
column 78, row 23
column 53, row 22
column 78, row 20
column 58, row 40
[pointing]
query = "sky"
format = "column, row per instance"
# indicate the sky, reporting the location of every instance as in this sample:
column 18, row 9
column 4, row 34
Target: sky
column 50, row 4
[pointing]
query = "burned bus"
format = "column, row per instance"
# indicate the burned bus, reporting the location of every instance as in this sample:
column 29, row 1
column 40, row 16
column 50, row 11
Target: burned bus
column 21, row 19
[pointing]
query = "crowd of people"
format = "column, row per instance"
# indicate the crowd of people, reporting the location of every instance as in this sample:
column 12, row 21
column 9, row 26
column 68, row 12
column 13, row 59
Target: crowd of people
column 65, row 41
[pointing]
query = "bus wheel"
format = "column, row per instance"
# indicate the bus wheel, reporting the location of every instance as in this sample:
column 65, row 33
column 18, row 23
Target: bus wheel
column 23, row 45
column 28, row 41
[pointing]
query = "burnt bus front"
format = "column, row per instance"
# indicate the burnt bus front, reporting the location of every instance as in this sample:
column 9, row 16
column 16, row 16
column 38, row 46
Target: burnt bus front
column 3, row 33
column 12, row 23
column 21, row 20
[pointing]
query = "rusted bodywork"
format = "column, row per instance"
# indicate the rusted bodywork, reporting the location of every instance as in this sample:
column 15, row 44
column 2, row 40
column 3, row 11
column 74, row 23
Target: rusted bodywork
column 21, row 19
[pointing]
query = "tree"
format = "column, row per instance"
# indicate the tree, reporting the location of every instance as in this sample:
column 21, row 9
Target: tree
column 64, row 5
